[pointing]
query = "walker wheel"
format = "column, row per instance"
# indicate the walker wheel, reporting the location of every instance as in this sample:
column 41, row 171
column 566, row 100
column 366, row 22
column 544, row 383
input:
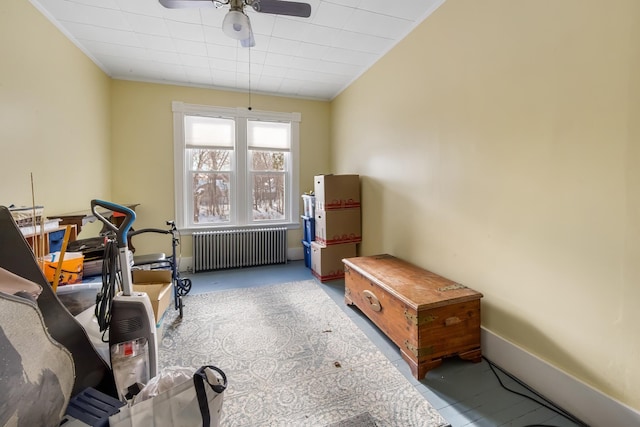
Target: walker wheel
column 184, row 286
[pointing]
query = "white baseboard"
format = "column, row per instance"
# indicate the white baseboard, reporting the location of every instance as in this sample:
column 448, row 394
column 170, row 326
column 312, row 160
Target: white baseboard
column 295, row 254
column 186, row 264
column 578, row 398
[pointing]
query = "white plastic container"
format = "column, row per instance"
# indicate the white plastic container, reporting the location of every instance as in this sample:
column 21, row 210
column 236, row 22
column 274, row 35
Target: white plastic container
column 309, row 205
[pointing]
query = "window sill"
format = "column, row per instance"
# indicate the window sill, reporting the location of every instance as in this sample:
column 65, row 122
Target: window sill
column 288, row 225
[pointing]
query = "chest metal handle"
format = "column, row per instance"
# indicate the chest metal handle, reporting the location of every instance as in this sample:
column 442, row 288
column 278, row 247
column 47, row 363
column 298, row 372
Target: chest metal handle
column 372, row 299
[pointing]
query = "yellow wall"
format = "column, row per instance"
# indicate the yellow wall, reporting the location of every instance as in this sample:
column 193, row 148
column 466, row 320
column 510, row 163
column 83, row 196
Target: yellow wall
column 84, row 135
column 499, row 145
column 142, row 146
column 54, row 116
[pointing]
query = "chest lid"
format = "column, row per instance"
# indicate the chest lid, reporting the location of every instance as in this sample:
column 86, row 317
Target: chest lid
column 418, row 288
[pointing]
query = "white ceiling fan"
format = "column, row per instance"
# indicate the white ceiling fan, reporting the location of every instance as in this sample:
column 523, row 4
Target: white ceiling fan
column 236, row 23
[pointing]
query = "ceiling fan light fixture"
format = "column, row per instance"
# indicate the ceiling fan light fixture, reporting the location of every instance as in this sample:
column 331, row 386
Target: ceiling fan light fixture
column 236, row 25
column 249, row 41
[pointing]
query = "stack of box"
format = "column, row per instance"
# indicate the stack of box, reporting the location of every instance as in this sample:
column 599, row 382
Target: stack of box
column 337, row 224
column 309, row 229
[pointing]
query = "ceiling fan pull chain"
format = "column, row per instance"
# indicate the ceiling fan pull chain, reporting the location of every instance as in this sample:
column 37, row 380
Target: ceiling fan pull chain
column 249, row 78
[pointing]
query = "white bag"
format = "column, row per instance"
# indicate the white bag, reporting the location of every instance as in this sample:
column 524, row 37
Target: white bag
column 189, row 404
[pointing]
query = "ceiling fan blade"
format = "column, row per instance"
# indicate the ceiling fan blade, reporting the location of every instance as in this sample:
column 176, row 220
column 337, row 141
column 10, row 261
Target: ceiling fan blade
column 279, row 7
column 183, row 4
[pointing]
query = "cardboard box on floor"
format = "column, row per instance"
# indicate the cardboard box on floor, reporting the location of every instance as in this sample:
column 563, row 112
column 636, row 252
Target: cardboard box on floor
column 337, row 191
column 156, row 284
column 326, row 261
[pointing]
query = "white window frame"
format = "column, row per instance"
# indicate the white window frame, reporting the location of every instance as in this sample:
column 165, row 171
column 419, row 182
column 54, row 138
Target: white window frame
column 242, row 188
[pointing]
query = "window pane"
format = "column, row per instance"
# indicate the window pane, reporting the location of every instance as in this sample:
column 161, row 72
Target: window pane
column 268, row 196
column 210, row 160
column 211, row 198
column 268, row 161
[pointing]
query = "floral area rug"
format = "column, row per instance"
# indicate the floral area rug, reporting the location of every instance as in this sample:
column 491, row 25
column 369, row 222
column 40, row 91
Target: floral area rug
column 292, row 358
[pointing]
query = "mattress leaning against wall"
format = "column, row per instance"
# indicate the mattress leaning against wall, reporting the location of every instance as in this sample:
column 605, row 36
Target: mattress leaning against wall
column 16, row 257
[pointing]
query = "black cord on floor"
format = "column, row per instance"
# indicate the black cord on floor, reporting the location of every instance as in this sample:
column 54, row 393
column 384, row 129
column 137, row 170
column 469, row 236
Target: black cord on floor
column 543, row 401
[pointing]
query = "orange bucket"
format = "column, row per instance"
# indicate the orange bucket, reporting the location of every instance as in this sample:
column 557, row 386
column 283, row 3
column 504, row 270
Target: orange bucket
column 71, row 271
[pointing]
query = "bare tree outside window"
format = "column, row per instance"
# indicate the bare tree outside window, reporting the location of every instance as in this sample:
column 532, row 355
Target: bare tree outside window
column 211, row 185
column 268, row 178
column 235, row 168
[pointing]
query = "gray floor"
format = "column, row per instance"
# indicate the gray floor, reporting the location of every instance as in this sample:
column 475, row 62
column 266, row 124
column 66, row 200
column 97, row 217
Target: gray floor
column 465, row 393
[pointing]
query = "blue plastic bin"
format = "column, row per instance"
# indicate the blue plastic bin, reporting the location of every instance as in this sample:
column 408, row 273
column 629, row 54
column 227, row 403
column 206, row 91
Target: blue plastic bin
column 309, row 229
column 307, row 253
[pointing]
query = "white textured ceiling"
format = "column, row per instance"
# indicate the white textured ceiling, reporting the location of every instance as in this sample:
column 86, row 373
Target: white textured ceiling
column 315, row 57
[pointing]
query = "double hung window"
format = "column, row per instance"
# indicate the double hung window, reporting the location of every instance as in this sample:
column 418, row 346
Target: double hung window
column 235, row 167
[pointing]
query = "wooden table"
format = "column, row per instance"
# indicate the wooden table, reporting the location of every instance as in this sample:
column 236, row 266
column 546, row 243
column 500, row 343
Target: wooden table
column 80, row 218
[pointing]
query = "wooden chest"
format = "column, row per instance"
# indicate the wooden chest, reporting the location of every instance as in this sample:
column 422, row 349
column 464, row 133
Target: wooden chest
column 428, row 316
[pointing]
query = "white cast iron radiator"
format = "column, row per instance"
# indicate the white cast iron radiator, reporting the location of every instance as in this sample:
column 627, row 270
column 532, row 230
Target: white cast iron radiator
column 215, row 250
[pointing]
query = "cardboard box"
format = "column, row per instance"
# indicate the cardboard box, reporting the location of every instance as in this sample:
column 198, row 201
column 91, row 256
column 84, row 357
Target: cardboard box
column 157, row 284
column 326, row 261
column 336, row 191
column 338, row 226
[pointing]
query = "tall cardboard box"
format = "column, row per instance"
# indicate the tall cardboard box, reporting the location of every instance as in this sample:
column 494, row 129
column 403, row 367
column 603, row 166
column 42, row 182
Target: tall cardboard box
column 336, row 191
column 326, row 261
column 338, row 226
column 157, row 284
